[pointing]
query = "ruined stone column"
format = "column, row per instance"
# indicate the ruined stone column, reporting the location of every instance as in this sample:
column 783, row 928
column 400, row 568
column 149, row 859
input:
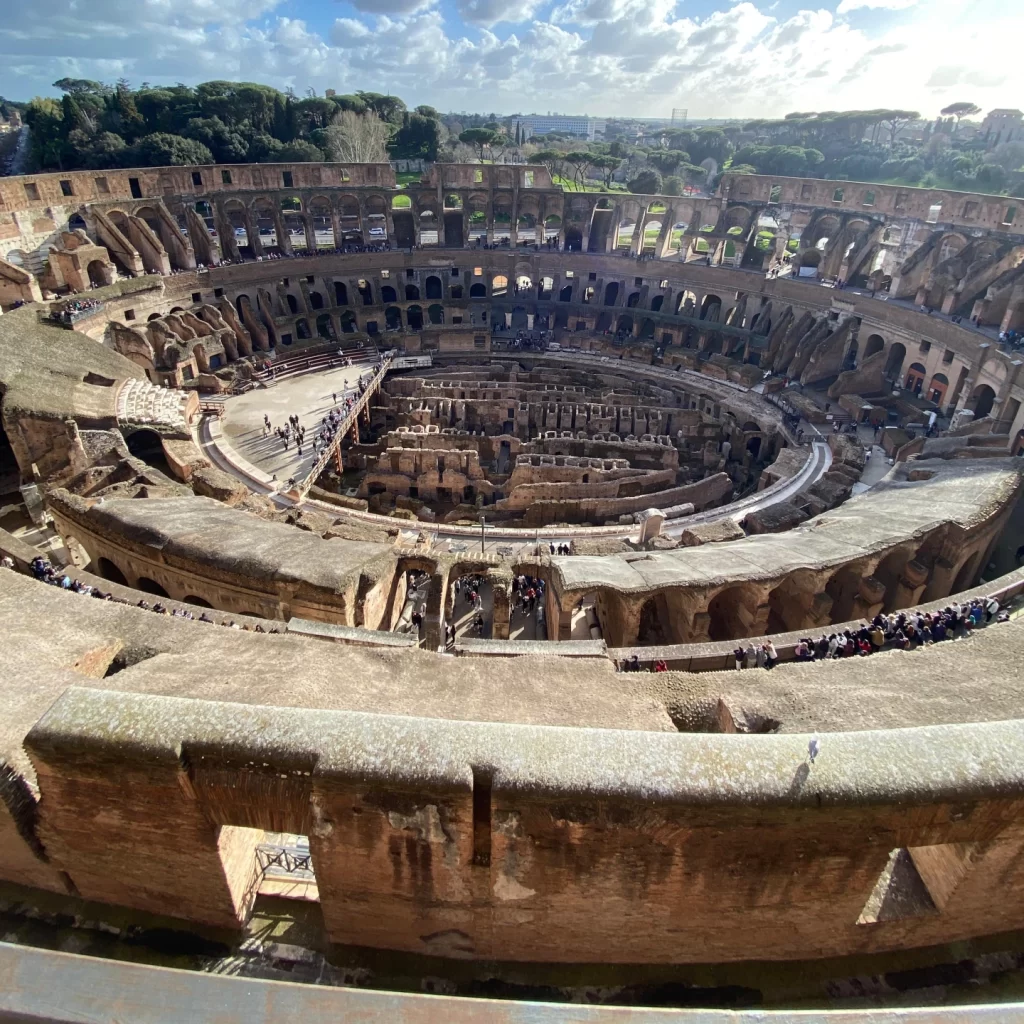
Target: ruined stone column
column 433, row 617
column 911, row 584
column 307, row 224
column 500, row 587
column 284, row 241
column 336, row 227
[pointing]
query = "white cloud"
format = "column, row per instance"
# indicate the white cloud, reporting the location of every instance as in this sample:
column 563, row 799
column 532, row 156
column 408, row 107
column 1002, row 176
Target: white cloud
column 626, row 57
column 491, row 12
column 845, row 6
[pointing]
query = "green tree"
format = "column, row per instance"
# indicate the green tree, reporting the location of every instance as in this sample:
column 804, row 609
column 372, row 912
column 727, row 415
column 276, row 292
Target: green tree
column 606, row 166
column 960, row 110
column 647, row 182
column 479, row 137
column 419, row 138
column 163, row 150
column 580, row 160
column 77, row 86
column 672, row 186
column 129, row 121
column 301, row 151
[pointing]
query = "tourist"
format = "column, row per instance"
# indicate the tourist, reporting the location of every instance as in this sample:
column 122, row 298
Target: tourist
column 741, row 657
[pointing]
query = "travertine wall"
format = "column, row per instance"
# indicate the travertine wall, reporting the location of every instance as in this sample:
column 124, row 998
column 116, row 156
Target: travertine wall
column 521, row 843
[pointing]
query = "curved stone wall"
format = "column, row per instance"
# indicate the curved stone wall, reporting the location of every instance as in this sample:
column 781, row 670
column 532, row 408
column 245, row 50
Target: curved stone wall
column 531, row 808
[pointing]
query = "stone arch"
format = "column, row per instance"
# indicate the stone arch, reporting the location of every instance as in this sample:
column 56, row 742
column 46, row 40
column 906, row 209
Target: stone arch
column 478, row 291
column 321, row 216
column 302, row 328
column 653, row 627
column 894, row 363
column 412, row 293
column 388, row 294
column 686, row 304
column 150, row 586
column 290, row 208
column 711, row 308
column 937, row 388
column 324, row 327
column 604, row 323
column 235, row 215
column 433, row 289
column 981, row 401
column 265, row 219
column 624, row 324
column 96, row 269
column 340, row 293
column 435, row 313
column 316, row 300
column 874, row 344
column 915, row 378
column 401, row 202
column 499, row 285
column 393, row 318
column 198, row 602
column 729, row 616
column 414, row 316
column 109, row 571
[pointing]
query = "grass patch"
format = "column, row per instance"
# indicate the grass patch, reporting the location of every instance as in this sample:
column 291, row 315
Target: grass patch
column 408, row 178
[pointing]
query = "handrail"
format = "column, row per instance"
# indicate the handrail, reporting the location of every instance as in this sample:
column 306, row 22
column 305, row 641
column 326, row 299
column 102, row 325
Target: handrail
column 301, row 490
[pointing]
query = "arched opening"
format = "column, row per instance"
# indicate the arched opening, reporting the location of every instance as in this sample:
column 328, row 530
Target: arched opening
column 414, row 316
column 711, row 308
column 412, row 293
column 393, row 318
column 654, row 628
column 433, row 288
column 316, row 300
column 148, row 586
column 633, row 301
column 625, row 325
column 519, row 319
column 435, row 313
column 388, row 294
column 106, row 568
column 686, row 304
column 293, row 303
column 147, row 445
column 873, row 345
column 965, row 578
column 365, row 291
column 727, row 614
column 97, row 272
column 197, row 601
column 499, row 286
column 324, row 327
column 915, row 378
column 302, row 329
column 340, row 294
column 478, row 291
column 573, row 239
column 348, row 322
column 565, row 294
column 604, row 323
column 401, row 203
column 656, row 303
column 981, row 401
column 894, row 363
column 937, row 388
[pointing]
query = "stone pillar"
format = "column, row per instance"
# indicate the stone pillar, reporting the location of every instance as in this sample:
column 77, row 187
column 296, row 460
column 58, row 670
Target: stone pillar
column 637, row 241
column 665, row 235
column 870, row 597
column 336, row 227
column 911, row 585
column 252, row 233
column 284, row 240
column 433, row 617
column 500, row 587
column 307, row 224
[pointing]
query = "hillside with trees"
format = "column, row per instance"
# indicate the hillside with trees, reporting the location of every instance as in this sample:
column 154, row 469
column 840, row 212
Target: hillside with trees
column 95, row 125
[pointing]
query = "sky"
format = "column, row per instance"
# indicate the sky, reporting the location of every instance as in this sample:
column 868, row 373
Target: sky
column 624, row 58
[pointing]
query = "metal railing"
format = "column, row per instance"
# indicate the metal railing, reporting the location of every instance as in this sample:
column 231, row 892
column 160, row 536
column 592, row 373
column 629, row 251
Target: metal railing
column 301, row 490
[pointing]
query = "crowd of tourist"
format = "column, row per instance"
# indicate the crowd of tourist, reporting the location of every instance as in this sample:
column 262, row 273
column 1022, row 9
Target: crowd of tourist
column 895, row 631
column 43, row 570
column 72, row 309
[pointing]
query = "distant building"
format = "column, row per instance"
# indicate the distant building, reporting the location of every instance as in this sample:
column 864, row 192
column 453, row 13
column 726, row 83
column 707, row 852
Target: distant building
column 588, row 128
column 1002, row 126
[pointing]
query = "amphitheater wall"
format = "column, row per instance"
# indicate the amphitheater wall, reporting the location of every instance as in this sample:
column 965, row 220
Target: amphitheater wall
column 363, row 600
column 609, row 847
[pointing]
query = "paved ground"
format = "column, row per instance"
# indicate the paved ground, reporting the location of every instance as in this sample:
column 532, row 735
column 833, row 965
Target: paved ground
column 310, row 396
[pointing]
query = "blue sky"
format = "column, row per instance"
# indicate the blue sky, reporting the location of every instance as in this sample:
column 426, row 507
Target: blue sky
column 717, row 58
